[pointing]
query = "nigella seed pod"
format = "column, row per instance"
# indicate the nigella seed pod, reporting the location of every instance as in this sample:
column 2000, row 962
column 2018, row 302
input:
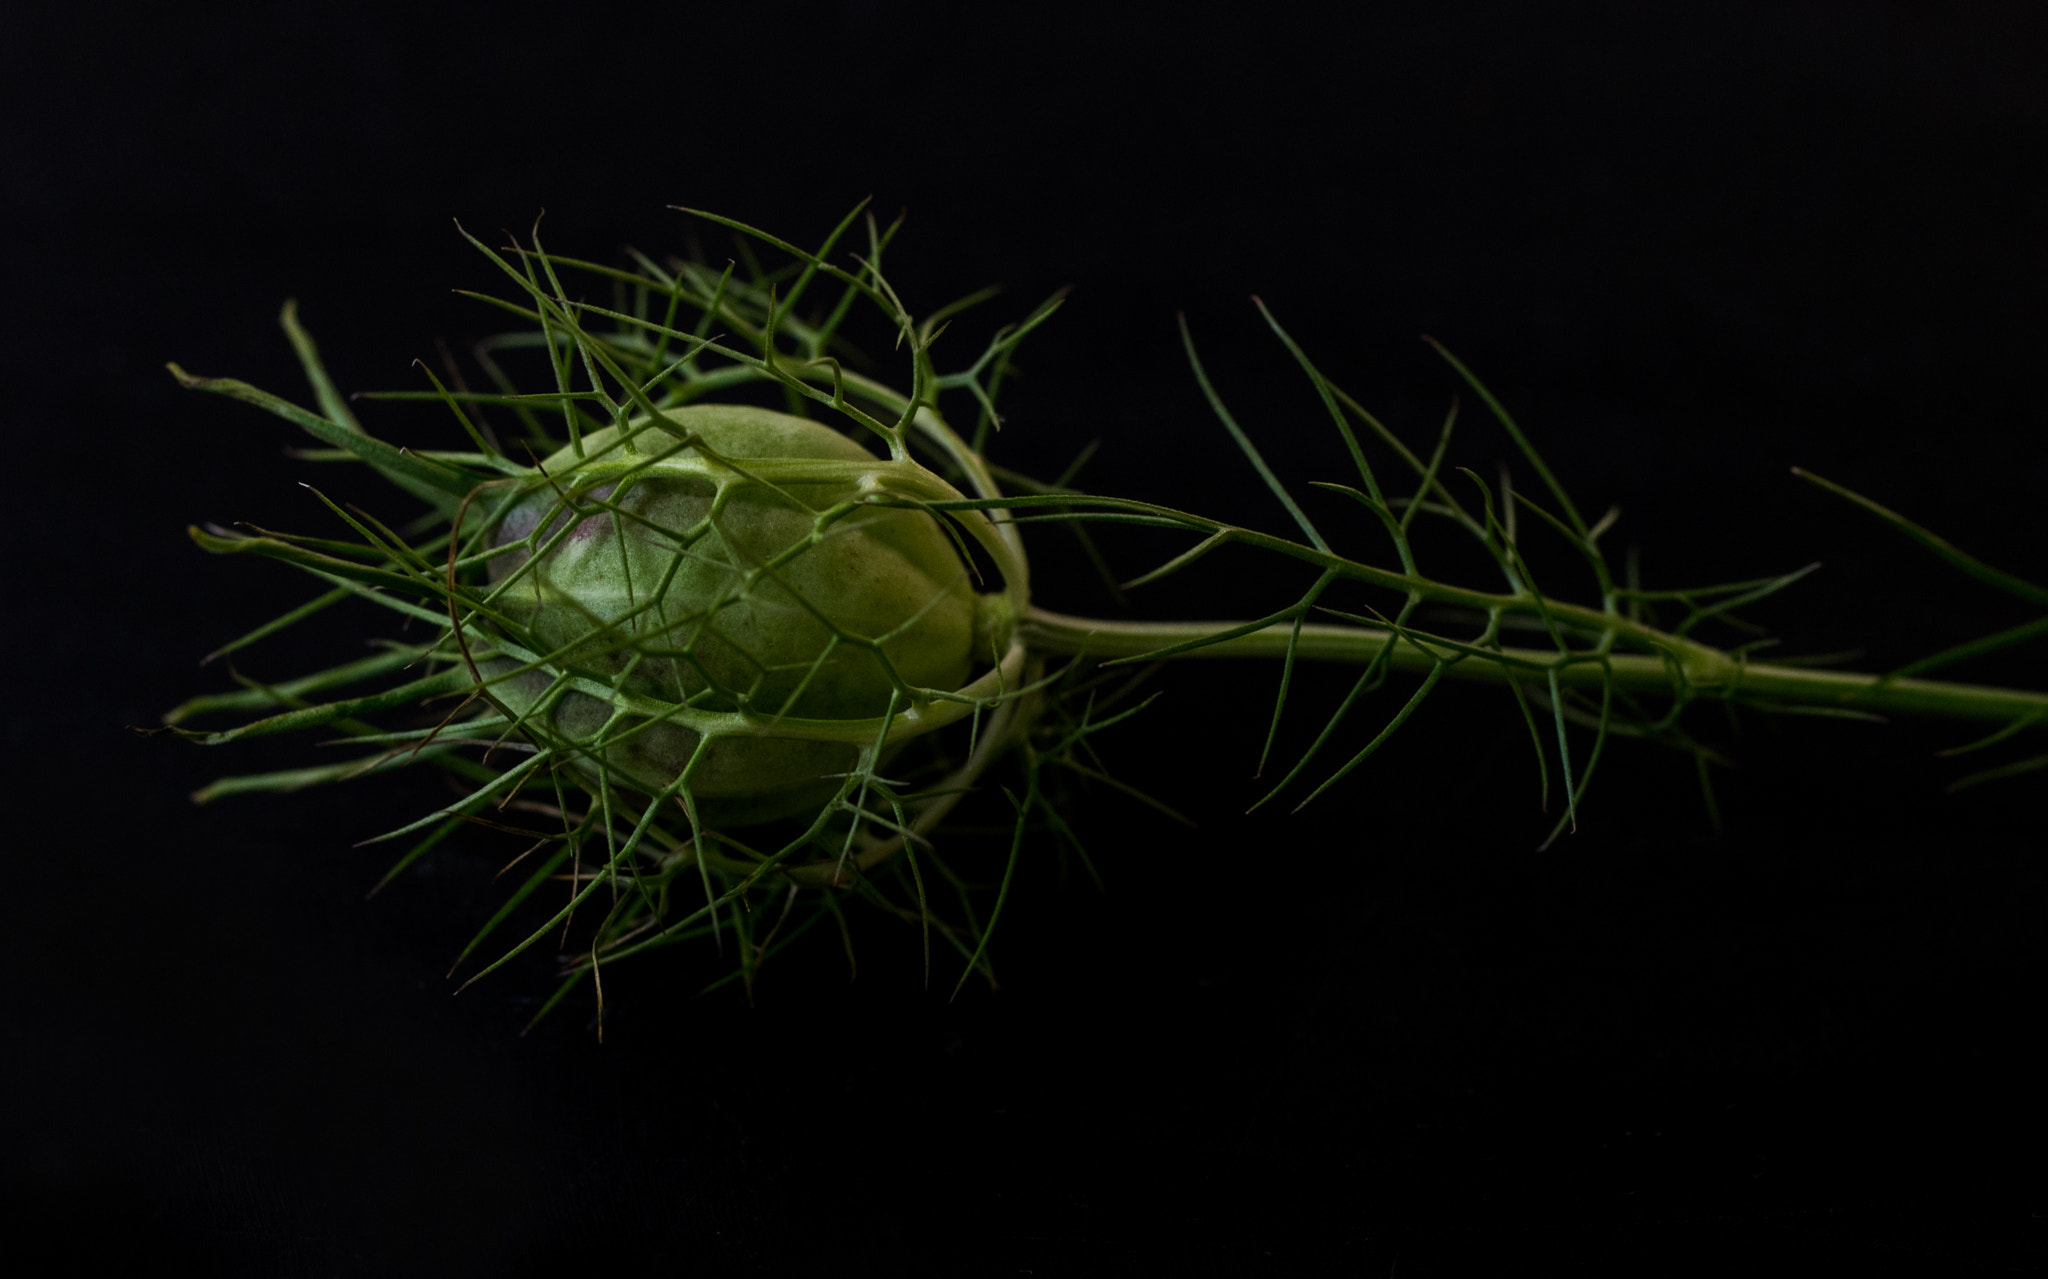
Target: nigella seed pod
column 696, row 617
column 670, row 564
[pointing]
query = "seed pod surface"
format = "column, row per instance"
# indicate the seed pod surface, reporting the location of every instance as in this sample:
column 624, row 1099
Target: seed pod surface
column 671, row 576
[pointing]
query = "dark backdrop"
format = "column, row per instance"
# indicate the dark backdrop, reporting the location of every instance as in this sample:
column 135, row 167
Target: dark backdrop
column 1692, row 245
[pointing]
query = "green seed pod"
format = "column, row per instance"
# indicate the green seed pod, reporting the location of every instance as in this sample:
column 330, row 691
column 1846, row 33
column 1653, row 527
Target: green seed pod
column 686, row 565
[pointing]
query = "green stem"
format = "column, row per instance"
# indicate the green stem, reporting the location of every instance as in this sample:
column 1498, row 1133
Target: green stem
column 1050, row 632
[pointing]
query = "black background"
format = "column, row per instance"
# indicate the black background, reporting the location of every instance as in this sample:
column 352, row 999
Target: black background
column 1692, row 245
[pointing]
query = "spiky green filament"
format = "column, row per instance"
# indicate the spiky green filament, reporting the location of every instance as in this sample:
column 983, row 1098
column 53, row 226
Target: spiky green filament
column 1756, row 682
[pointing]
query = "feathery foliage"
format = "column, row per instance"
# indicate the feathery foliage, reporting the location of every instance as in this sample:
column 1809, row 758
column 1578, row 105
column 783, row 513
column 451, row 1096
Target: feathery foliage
column 718, row 669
